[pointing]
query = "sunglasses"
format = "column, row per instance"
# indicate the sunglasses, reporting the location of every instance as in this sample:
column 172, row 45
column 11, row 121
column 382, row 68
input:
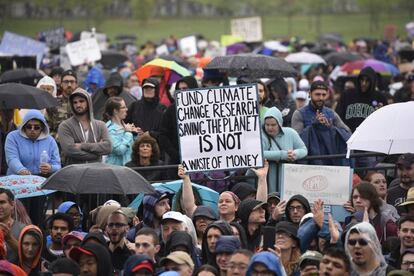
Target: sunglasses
column 33, row 127
column 361, row 242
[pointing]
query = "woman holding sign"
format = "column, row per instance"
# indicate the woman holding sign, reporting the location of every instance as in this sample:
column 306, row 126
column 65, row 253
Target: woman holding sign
column 279, row 144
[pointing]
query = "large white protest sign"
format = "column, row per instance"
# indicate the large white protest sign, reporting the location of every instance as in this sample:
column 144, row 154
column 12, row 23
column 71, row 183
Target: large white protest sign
column 83, row 51
column 250, row 29
column 219, row 128
column 188, row 46
column 101, row 38
column 329, row 183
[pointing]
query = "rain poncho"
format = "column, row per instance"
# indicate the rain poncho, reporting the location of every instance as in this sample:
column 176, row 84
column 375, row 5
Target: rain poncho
column 366, row 230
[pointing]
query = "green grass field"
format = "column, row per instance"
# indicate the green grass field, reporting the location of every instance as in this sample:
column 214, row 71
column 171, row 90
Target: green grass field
column 350, row 26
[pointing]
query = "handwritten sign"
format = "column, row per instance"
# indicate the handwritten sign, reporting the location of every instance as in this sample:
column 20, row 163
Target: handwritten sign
column 250, row 29
column 329, row 183
column 83, row 51
column 219, row 128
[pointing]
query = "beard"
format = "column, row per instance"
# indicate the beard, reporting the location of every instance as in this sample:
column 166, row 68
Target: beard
column 80, row 113
column 318, row 104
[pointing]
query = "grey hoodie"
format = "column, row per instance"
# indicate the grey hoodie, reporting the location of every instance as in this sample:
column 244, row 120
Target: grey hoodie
column 70, row 132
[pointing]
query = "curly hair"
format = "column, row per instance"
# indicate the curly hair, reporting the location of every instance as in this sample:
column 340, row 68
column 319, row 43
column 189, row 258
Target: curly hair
column 147, row 139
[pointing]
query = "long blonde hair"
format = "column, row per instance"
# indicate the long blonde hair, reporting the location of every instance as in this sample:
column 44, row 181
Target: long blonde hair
column 291, row 265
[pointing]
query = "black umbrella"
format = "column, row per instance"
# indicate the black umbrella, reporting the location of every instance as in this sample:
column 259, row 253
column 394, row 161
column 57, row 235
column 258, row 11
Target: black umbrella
column 406, row 55
column 111, row 59
column 27, row 76
column 16, row 95
column 98, row 178
column 252, row 65
column 340, row 58
column 331, row 38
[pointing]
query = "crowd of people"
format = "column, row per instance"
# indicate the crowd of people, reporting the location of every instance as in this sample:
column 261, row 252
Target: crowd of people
column 125, row 121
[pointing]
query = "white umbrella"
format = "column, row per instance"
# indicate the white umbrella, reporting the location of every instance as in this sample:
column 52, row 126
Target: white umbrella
column 304, row 58
column 388, row 130
column 275, row 45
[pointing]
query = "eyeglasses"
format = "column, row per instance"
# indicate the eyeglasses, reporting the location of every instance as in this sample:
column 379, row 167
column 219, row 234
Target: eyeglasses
column 407, row 263
column 68, row 81
column 32, row 127
column 116, row 225
column 361, row 242
column 293, row 208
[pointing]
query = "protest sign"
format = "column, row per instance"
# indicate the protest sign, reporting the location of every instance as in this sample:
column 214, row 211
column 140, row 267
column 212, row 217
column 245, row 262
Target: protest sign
column 22, row 46
column 219, row 128
column 250, row 29
column 188, row 46
column 162, row 50
column 332, row 184
column 101, row 38
column 227, row 40
column 329, row 183
column 54, row 38
column 83, row 51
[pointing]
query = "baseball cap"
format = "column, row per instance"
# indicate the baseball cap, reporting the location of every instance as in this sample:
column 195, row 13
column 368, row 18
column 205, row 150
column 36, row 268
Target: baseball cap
column 173, row 215
column 148, row 84
column 69, row 73
column 178, row 257
column 72, row 235
column 303, row 95
column 319, row 85
column 204, row 211
column 406, row 159
column 227, row 244
column 309, row 256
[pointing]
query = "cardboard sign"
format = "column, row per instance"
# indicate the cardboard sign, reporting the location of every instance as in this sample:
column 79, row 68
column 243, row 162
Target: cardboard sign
column 54, row 38
column 188, row 46
column 332, row 184
column 83, row 51
column 329, row 183
column 22, row 46
column 250, row 29
column 101, row 38
column 219, row 128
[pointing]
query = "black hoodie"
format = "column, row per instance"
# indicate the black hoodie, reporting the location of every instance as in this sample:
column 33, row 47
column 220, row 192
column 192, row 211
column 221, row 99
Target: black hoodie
column 302, row 200
column 101, row 96
column 207, row 256
column 355, row 105
column 168, row 138
column 181, row 238
column 146, row 113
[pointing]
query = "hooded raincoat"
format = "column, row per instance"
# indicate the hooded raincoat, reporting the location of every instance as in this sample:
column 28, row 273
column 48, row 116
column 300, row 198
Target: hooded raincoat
column 24, row 153
column 99, row 97
column 268, row 259
column 147, row 112
column 354, row 105
column 275, row 148
column 95, row 142
column 367, row 231
column 36, row 262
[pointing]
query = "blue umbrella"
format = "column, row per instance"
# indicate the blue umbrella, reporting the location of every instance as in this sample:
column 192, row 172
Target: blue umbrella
column 208, row 196
column 24, row 186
